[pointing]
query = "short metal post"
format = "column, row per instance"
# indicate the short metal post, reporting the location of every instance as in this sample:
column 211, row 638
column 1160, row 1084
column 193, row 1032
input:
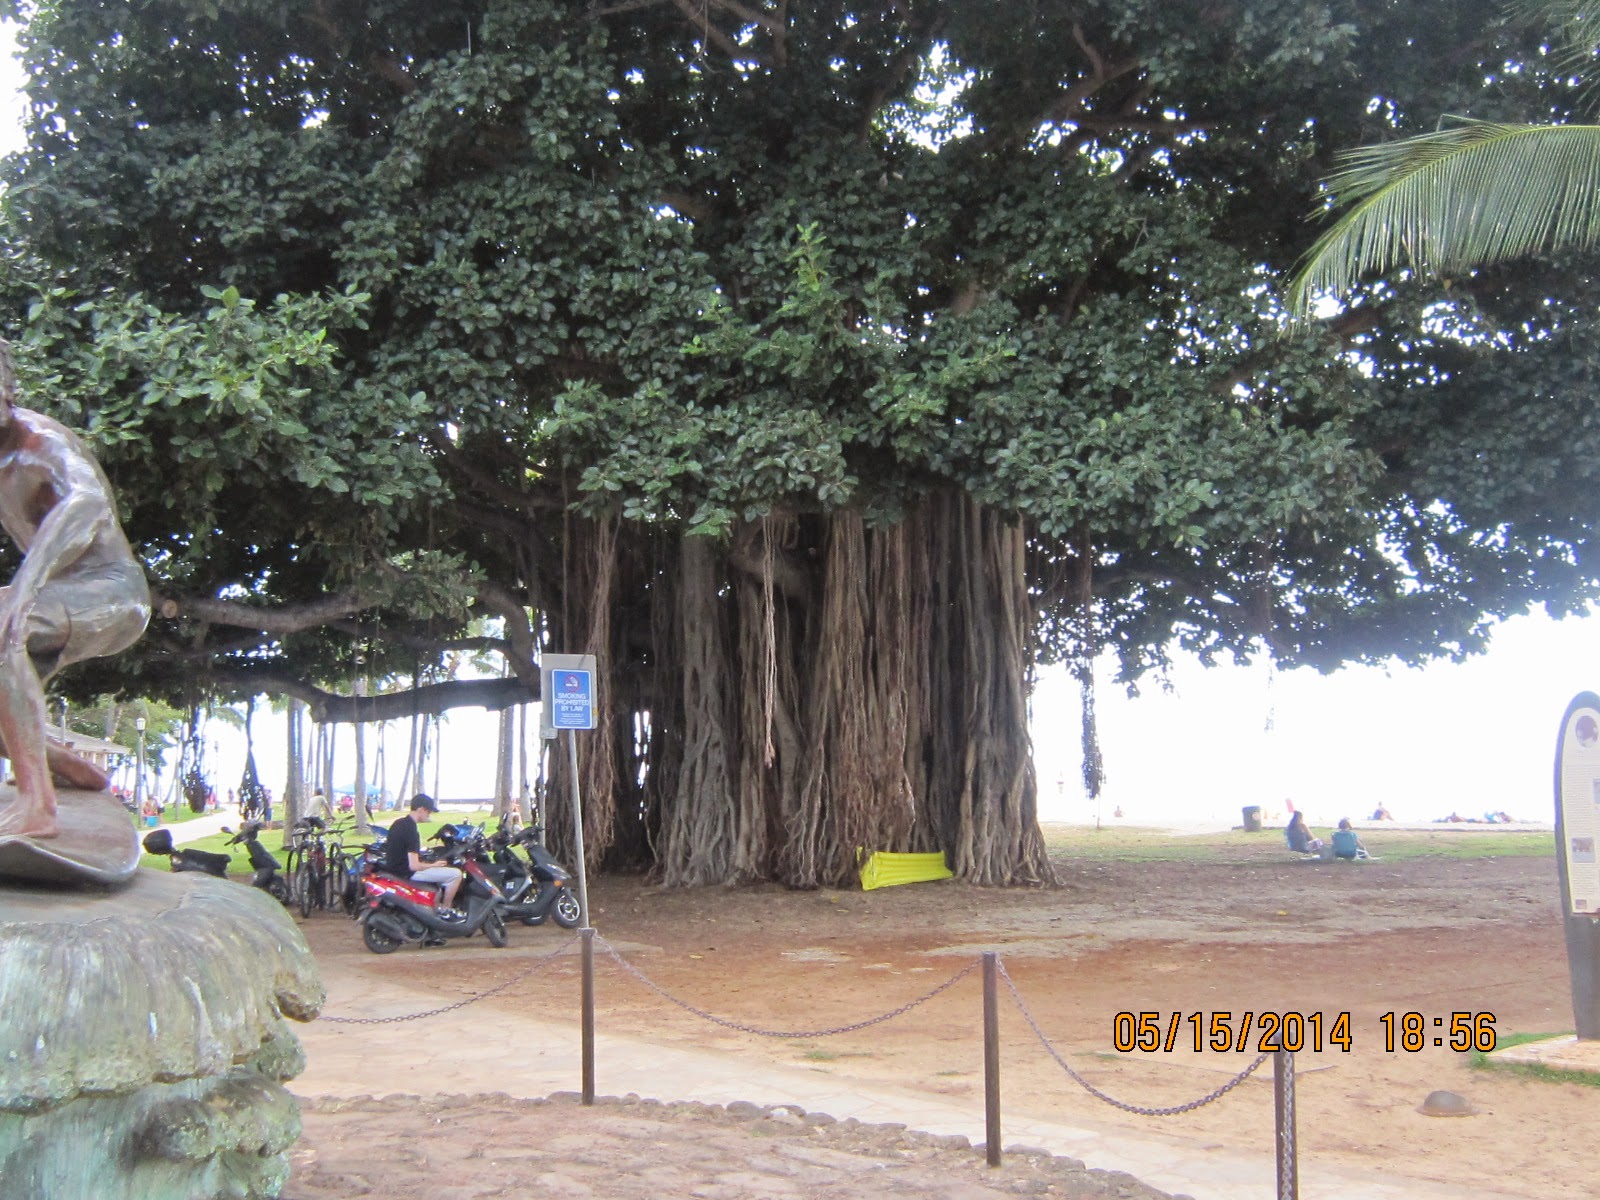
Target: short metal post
column 991, row 1060
column 588, row 1015
column 1283, row 1111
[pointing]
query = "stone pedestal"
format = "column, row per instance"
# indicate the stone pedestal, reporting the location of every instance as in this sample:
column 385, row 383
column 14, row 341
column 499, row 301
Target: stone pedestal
column 143, row 1041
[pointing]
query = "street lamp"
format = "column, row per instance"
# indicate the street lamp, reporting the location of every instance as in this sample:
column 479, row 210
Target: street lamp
column 138, row 770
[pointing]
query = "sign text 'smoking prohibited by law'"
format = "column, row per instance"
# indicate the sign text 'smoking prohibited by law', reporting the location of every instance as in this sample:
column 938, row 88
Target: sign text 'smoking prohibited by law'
column 567, row 684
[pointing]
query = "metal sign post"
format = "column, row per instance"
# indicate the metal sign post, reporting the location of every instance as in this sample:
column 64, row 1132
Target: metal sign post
column 566, row 701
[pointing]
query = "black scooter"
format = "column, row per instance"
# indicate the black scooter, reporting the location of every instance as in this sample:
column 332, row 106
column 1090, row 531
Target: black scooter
column 159, row 841
column 536, row 887
column 265, row 866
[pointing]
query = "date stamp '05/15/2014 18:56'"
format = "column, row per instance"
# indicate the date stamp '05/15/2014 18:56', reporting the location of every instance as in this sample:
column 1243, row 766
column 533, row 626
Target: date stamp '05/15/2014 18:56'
column 1268, row 1032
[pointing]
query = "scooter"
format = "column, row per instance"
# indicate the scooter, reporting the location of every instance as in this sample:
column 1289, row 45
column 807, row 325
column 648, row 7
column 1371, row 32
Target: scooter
column 159, row 841
column 265, row 866
column 536, row 887
column 400, row 912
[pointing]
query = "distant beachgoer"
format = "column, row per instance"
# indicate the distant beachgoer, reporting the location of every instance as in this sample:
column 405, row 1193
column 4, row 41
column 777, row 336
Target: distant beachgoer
column 1382, row 814
column 1345, row 842
column 1299, row 836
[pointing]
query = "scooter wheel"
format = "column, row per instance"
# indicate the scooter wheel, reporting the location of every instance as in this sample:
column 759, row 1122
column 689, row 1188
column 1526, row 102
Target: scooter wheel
column 279, row 890
column 377, row 940
column 566, row 910
column 494, row 928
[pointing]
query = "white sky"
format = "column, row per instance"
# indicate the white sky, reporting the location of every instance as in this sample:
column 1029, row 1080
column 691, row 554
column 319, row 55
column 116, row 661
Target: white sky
column 1471, row 738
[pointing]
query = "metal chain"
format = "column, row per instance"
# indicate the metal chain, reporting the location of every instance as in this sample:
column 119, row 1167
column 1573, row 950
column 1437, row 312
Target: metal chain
column 781, row 1033
column 1111, row 1100
column 434, row 1012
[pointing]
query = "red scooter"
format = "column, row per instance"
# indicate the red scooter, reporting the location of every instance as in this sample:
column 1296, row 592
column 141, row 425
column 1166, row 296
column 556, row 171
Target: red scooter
column 400, row 912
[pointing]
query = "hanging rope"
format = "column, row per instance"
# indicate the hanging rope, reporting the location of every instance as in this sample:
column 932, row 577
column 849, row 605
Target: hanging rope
column 1094, row 768
column 252, row 795
column 769, row 674
column 194, row 783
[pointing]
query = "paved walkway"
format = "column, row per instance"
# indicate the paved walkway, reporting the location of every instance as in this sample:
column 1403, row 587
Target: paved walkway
column 195, row 828
column 541, row 1056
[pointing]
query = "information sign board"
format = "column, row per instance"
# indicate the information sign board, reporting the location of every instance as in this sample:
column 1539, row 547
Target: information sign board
column 567, row 692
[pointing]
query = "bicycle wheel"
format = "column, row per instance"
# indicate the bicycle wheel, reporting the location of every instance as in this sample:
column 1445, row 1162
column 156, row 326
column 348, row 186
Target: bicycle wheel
column 293, row 865
column 307, row 886
column 333, row 880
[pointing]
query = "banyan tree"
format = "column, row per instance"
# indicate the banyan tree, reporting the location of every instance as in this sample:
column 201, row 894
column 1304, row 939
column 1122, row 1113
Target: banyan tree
column 823, row 368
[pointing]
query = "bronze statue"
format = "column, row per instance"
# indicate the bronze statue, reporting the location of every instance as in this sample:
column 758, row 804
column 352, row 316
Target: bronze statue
column 79, row 593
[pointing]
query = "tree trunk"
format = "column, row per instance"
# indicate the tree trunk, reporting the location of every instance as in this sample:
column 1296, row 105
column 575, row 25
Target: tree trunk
column 698, row 830
column 363, row 820
column 981, row 792
column 503, row 762
column 813, row 690
column 294, row 785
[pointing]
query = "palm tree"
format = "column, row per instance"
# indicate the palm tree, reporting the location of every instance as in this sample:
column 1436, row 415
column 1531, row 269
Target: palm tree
column 1470, row 194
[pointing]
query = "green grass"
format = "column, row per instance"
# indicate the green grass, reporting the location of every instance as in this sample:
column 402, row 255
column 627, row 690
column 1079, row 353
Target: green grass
column 817, row 1054
column 1480, row 1061
column 1124, row 844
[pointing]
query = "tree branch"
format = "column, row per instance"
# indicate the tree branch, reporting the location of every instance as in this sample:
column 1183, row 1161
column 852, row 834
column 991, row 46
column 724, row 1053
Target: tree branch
column 519, row 631
column 430, row 698
column 279, row 619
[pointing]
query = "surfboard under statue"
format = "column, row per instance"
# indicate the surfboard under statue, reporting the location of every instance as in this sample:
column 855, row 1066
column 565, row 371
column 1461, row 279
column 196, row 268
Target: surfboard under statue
column 97, row 842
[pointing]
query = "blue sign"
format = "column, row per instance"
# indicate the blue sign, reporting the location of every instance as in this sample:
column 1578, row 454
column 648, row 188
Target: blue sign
column 572, row 699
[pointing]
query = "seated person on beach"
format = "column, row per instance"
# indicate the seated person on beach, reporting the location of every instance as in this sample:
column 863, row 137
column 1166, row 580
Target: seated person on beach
column 1382, row 814
column 1299, row 837
column 1345, row 842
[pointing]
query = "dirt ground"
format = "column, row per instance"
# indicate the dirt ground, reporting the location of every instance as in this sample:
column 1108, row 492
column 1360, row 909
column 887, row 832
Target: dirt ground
column 1240, row 929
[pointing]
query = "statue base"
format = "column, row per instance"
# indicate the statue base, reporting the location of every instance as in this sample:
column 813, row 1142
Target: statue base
column 143, row 1041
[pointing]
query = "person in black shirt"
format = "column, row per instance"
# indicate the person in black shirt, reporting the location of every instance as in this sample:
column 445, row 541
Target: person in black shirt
column 402, row 852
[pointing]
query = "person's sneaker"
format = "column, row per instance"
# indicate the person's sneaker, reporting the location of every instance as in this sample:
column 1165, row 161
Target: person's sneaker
column 452, row 914
column 433, row 939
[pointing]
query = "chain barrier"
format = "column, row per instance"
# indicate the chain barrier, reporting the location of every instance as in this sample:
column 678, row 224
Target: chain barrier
column 434, row 1012
column 1208, row 1098
column 1011, row 986
column 781, row 1033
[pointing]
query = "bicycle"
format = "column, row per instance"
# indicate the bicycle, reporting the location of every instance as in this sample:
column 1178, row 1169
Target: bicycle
column 320, row 868
column 307, row 866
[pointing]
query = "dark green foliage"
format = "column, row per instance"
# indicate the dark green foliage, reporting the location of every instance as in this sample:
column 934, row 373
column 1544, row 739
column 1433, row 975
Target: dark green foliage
column 385, row 302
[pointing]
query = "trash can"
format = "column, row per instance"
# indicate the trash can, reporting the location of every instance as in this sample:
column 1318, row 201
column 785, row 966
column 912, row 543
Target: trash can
column 1252, row 818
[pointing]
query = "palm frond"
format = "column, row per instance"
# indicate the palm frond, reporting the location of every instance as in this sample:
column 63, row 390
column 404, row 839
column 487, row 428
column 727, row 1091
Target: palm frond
column 1574, row 29
column 1474, row 193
